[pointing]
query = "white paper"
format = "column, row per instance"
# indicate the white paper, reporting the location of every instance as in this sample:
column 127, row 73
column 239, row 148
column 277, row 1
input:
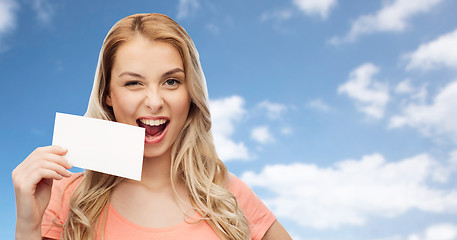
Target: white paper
column 103, row 146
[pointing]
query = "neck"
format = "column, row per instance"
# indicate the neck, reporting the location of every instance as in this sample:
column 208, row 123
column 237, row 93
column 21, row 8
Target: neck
column 156, row 172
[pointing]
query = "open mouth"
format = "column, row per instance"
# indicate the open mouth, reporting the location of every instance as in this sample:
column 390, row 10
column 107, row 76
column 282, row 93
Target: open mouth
column 154, row 128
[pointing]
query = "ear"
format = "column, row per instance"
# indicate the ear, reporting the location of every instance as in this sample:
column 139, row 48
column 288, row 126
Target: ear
column 108, row 100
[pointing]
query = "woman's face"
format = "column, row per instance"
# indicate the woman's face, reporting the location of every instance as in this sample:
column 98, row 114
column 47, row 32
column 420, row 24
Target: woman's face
column 148, row 89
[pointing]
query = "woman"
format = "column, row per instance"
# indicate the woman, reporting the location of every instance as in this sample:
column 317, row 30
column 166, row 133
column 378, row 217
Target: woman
column 148, row 75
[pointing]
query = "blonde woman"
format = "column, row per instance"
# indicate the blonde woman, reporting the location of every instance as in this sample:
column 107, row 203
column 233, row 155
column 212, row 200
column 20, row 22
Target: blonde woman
column 148, row 75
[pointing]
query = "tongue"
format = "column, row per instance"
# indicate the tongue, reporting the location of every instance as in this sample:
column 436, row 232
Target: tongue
column 153, row 130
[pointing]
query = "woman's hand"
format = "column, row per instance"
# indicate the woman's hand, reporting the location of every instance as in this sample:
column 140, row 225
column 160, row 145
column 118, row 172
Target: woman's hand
column 32, row 181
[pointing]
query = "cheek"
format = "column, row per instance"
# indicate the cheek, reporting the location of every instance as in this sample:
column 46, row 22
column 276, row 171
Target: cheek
column 124, row 106
column 181, row 107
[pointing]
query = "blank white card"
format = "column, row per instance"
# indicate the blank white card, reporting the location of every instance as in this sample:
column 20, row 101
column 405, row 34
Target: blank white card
column 99, row 145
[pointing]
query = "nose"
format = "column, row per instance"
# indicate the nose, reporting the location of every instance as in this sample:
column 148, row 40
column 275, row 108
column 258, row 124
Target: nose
column 153, row 100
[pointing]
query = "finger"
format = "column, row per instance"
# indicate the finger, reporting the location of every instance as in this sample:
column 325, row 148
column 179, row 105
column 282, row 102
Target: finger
column 49, row 161
column 41, row 160
column 60, row 150
column 48, row 174
column 27, row 184
column 59, row 160
column 56, row 168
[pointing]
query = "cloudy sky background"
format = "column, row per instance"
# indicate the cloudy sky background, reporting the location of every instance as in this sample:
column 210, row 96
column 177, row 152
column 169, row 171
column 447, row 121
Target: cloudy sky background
column 341, row 115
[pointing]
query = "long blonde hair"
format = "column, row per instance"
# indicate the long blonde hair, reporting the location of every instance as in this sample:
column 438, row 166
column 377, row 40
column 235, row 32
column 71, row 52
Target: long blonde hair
column 194, row 159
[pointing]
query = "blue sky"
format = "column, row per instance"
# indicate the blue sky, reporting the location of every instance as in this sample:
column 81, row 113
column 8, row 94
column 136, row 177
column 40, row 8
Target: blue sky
column 341, row 115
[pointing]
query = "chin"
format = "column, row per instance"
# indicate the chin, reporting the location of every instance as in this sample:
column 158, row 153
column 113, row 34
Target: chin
column 155, row 152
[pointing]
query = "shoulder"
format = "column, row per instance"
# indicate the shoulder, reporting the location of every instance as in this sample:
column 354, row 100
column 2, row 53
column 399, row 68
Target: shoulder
column 244, row 195
column 236, row 186
column 259, row 217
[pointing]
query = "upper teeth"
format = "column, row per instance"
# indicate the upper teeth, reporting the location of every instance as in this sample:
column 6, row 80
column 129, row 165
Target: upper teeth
column 152, row 122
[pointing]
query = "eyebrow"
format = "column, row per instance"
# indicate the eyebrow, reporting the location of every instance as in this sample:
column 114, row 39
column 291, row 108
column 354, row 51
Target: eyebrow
column 136, row 75
column 132, row 74
column 173, row 71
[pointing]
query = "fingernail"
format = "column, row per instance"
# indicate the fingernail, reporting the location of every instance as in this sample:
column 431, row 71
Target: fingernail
column 61, row 147
column 71, row 164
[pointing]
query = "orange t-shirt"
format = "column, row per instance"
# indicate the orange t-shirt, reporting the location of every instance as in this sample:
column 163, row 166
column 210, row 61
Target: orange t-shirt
column 260, row 218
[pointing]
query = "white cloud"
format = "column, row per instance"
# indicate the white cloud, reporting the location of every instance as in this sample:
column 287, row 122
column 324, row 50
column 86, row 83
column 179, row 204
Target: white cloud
column 315, row 7
column 278, row 15
column 8, row 10
column 453, row 159
column 286, row 130
column 262, row 135
column 404, row 87
column 274, row 110
column 421, row 94
column 213, row 28
column 296, row 237
column 396, row 237
column 225, row 114
column 186, row 8
column 370, row 95
column 442, row 231
column 43, row 9
column 439, row 52
column 392, row 17
column 351, row 191
column 319, row 105
column 435, row 120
